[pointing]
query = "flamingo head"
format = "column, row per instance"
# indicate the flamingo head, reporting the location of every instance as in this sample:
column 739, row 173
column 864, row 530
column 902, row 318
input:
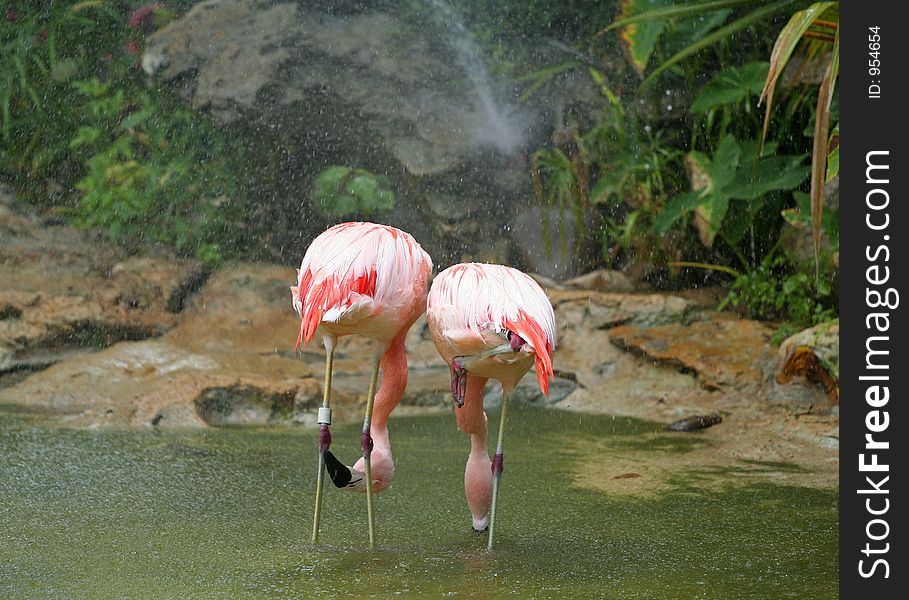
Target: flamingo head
column 353, row 479
column 516, row 341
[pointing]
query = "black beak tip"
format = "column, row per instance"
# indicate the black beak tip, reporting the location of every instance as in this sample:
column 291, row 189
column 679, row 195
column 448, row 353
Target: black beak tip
column 338, row 472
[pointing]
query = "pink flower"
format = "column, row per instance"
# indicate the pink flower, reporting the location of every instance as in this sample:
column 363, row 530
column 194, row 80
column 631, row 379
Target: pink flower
column 42, row 35
column 142, row 14
column 132, row 47
column 10, row 14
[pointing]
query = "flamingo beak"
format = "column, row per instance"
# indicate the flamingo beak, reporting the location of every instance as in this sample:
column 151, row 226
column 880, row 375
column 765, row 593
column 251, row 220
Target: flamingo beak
column 342, row 476
column 458, row 381
column 460, row 365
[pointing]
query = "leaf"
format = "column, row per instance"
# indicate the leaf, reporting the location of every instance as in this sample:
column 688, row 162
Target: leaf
column 678, row 206
column 638, row 39
column 344, row 205
column 687, row 30
column 723, row 166
column 543, row 76
column 708, row 218
column 731, row 86
column 737, row 25
column 819, row 152
column 605, row 187
column 677, row 10
column 833, row 156
column 340, row 191
column 770, row 174
column 136, row 118
column 85, row 136
column 92, row 87
column 63, row 70
column 735, row 172
column 800, row 216
column 785, row 43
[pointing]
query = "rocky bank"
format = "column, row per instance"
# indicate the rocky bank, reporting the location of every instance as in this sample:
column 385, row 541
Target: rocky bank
column 97, row 338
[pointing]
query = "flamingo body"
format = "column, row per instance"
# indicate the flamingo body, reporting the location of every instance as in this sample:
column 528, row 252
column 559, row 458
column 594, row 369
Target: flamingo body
column 367, row 279
column 475, row 307
column 361, row 278
column 488, row 322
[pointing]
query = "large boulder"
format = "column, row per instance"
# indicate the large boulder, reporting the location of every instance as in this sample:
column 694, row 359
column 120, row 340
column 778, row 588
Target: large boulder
column 400, row 92
column 315, row 86
column 63, row 291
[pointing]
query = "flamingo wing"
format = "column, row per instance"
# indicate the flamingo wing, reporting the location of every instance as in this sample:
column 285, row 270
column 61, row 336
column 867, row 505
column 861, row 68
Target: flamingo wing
column 475, row 305
column 352, row 270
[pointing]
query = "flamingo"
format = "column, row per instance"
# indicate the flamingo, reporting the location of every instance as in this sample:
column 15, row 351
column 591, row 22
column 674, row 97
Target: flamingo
column 368, row 279
column 488, row 322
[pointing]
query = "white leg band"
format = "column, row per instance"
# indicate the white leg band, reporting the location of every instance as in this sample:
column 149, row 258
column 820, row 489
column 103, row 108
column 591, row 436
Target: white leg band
column 324, row 417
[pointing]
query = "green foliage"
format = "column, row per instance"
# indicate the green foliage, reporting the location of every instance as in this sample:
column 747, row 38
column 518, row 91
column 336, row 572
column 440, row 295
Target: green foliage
column 776, row 291
column 737, row 171
column 708, row 23
column 675, row 28
column 45, row 48
column 833, row 154
column 75, row 110
column 559, row 181
column 816, row 31
column 800, row 218
column 342, row 191
column 731, row 86
column 620, row 162
column 155, row 173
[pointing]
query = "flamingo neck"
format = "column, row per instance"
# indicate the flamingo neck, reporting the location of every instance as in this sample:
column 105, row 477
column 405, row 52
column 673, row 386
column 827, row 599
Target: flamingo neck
column 394, row 381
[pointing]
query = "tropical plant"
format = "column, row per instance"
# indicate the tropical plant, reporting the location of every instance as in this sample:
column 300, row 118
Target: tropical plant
column 155, row 172
column 685, row 28
column 778, row 290
column 342, row 191
column 737, row 171
column 814, row 34
column 74, row 108
column 621, row 162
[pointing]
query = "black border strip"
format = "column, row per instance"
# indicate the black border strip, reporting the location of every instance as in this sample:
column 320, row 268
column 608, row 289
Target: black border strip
column 874, row 112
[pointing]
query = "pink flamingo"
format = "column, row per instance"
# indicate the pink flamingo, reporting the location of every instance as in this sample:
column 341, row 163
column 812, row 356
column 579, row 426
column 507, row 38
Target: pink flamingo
column 372, row 280
column 488, row 321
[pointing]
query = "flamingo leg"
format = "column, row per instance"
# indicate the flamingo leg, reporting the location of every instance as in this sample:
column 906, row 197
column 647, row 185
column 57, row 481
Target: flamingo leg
column 324, row 436
column 497, row 466
column 366, row 444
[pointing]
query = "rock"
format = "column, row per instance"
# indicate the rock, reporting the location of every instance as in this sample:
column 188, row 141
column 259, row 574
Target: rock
column 243, row 54
column 812, row 356
column 63, row 291
column 823, row 339
column 602, row 280
column 228, row 361
column 223, row 352
column 723, row 352
column 695, row 422
column 610, row 309
column 158, row 383
column 311, row 86
column 528, row 392
column 528, row 224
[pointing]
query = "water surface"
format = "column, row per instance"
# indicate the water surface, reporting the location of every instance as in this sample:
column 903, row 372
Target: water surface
column 227, row 512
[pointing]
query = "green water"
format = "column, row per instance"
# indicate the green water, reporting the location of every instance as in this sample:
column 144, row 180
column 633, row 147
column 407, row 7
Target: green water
column 227, row 513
